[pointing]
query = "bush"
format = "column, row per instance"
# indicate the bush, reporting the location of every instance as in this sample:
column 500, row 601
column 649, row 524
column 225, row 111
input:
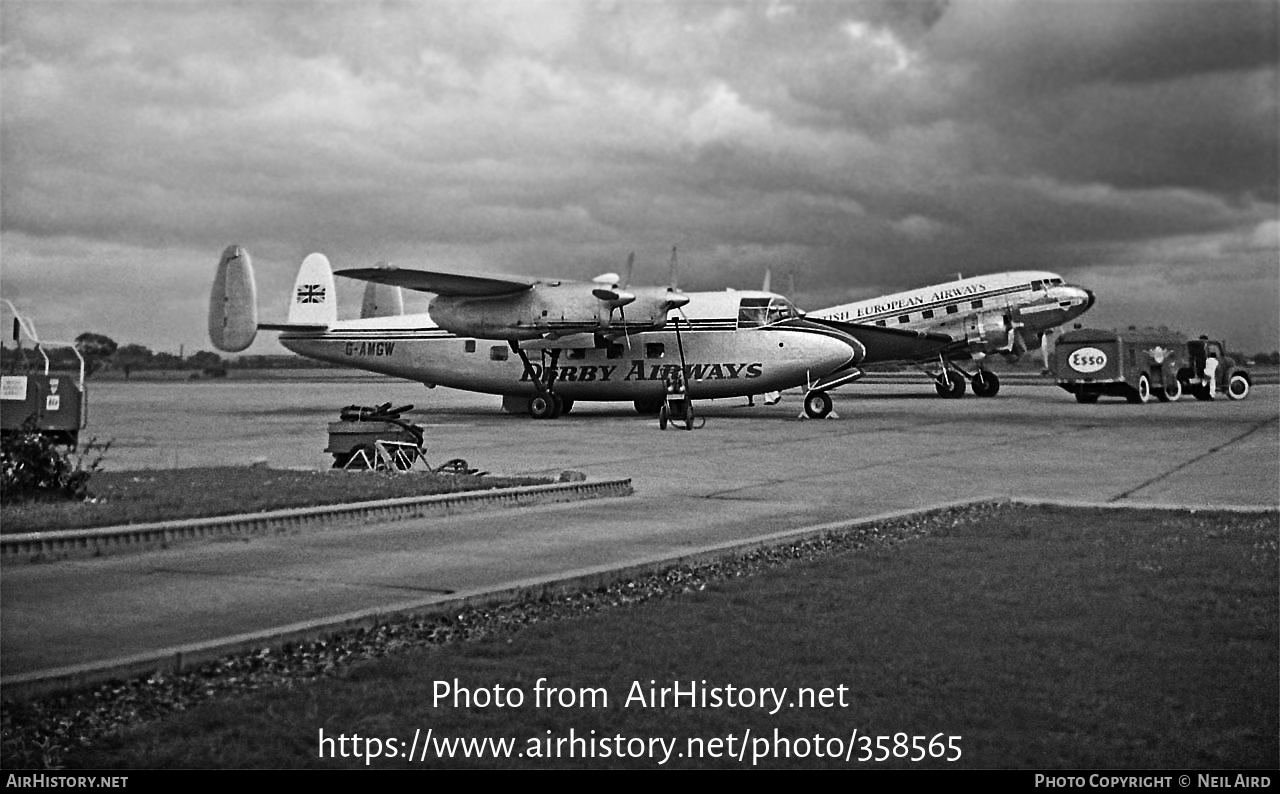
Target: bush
column 34, row 467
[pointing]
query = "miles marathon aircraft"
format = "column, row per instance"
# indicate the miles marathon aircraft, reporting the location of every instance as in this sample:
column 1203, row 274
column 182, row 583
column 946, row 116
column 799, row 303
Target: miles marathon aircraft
column 734, row 344
column 597, row 340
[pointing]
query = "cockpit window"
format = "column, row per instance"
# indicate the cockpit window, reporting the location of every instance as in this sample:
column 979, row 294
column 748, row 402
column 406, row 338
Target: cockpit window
column 1055, row 281
column 755, row 312
column 1037, row 285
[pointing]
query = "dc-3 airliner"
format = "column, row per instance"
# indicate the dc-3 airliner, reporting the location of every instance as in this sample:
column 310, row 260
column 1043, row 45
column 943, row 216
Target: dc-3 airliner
column 967, row 319
column 599, row 340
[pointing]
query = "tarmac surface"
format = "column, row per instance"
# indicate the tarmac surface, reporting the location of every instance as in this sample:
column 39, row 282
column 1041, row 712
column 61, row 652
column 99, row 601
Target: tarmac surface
column 748, row 472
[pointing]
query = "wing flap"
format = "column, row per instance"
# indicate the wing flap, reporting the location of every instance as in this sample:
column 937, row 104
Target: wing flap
column 463, row 285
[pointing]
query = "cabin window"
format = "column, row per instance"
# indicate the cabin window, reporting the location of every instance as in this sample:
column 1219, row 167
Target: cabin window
column 1037, row 285
column 977, row 304
column 927, row 314
column 906, row 318
column 578, row 353
column 881, row 323
column 469, row 346
column 498, row 353
column 952, row 309
column 613, row 351
column 654, row 350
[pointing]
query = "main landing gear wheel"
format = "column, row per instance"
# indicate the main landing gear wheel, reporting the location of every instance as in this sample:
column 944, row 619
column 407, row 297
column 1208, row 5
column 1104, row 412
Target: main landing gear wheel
column 1142, row 392
column 816, row 405
column 985, row 384
column 545, row 406
column 950, row 385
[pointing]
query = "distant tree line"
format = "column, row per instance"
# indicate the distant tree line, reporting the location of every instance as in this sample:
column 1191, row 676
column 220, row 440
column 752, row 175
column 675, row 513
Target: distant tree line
column 102, row 353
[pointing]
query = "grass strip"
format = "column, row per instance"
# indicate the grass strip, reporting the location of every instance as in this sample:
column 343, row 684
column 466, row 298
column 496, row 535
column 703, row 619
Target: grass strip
column 138, row 497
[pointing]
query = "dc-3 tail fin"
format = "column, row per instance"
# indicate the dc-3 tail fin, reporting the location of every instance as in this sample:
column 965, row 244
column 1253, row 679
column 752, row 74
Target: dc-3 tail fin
column 381, row 300
column 233, row 304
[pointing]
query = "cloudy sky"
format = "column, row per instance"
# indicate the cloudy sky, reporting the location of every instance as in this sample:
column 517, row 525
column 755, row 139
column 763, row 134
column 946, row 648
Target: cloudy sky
column 854, row 148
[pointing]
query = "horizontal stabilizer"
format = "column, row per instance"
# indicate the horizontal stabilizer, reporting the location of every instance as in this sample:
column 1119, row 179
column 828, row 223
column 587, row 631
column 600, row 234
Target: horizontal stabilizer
column 290, row 327
column 461, row 285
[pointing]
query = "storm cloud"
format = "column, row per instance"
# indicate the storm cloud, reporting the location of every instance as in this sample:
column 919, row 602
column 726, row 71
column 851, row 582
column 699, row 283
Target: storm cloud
column 860, row 147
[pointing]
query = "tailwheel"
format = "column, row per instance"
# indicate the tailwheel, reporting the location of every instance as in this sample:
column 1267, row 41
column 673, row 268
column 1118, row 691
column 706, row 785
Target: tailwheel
column 985, row 383
column 816, row 405
column 949, row 385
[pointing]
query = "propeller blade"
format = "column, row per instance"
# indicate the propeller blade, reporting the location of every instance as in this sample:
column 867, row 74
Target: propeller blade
column 631, row 263
column 675, row 280
column 768, row 278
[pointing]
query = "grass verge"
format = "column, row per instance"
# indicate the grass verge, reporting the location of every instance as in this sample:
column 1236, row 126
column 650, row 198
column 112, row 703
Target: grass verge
column 1041, row 637
column 138, row 497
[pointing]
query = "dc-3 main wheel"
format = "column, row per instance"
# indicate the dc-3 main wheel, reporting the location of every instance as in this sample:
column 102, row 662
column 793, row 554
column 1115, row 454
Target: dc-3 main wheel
column 985, row 384
column 950, row 385
column 816, row 405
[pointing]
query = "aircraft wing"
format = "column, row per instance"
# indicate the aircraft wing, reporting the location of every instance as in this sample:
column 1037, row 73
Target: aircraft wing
column 895, row 344
column 442, row 283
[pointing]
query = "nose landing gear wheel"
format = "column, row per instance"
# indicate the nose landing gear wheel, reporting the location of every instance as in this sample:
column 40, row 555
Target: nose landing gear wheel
column 816, row 405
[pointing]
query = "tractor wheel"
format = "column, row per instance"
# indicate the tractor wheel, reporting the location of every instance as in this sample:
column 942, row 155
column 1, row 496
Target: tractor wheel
column 1238, row 386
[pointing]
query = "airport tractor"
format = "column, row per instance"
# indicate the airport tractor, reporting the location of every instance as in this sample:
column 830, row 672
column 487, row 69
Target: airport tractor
column 1141, row 363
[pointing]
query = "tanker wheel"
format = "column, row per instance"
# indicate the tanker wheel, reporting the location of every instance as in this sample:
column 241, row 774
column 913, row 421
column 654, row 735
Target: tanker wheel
column 663, row 415
column 1171, row 393
column 1142, row 392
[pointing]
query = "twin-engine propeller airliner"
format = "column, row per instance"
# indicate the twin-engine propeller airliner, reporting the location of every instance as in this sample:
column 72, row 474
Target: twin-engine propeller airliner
column 970, row 318
column 599, row 340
